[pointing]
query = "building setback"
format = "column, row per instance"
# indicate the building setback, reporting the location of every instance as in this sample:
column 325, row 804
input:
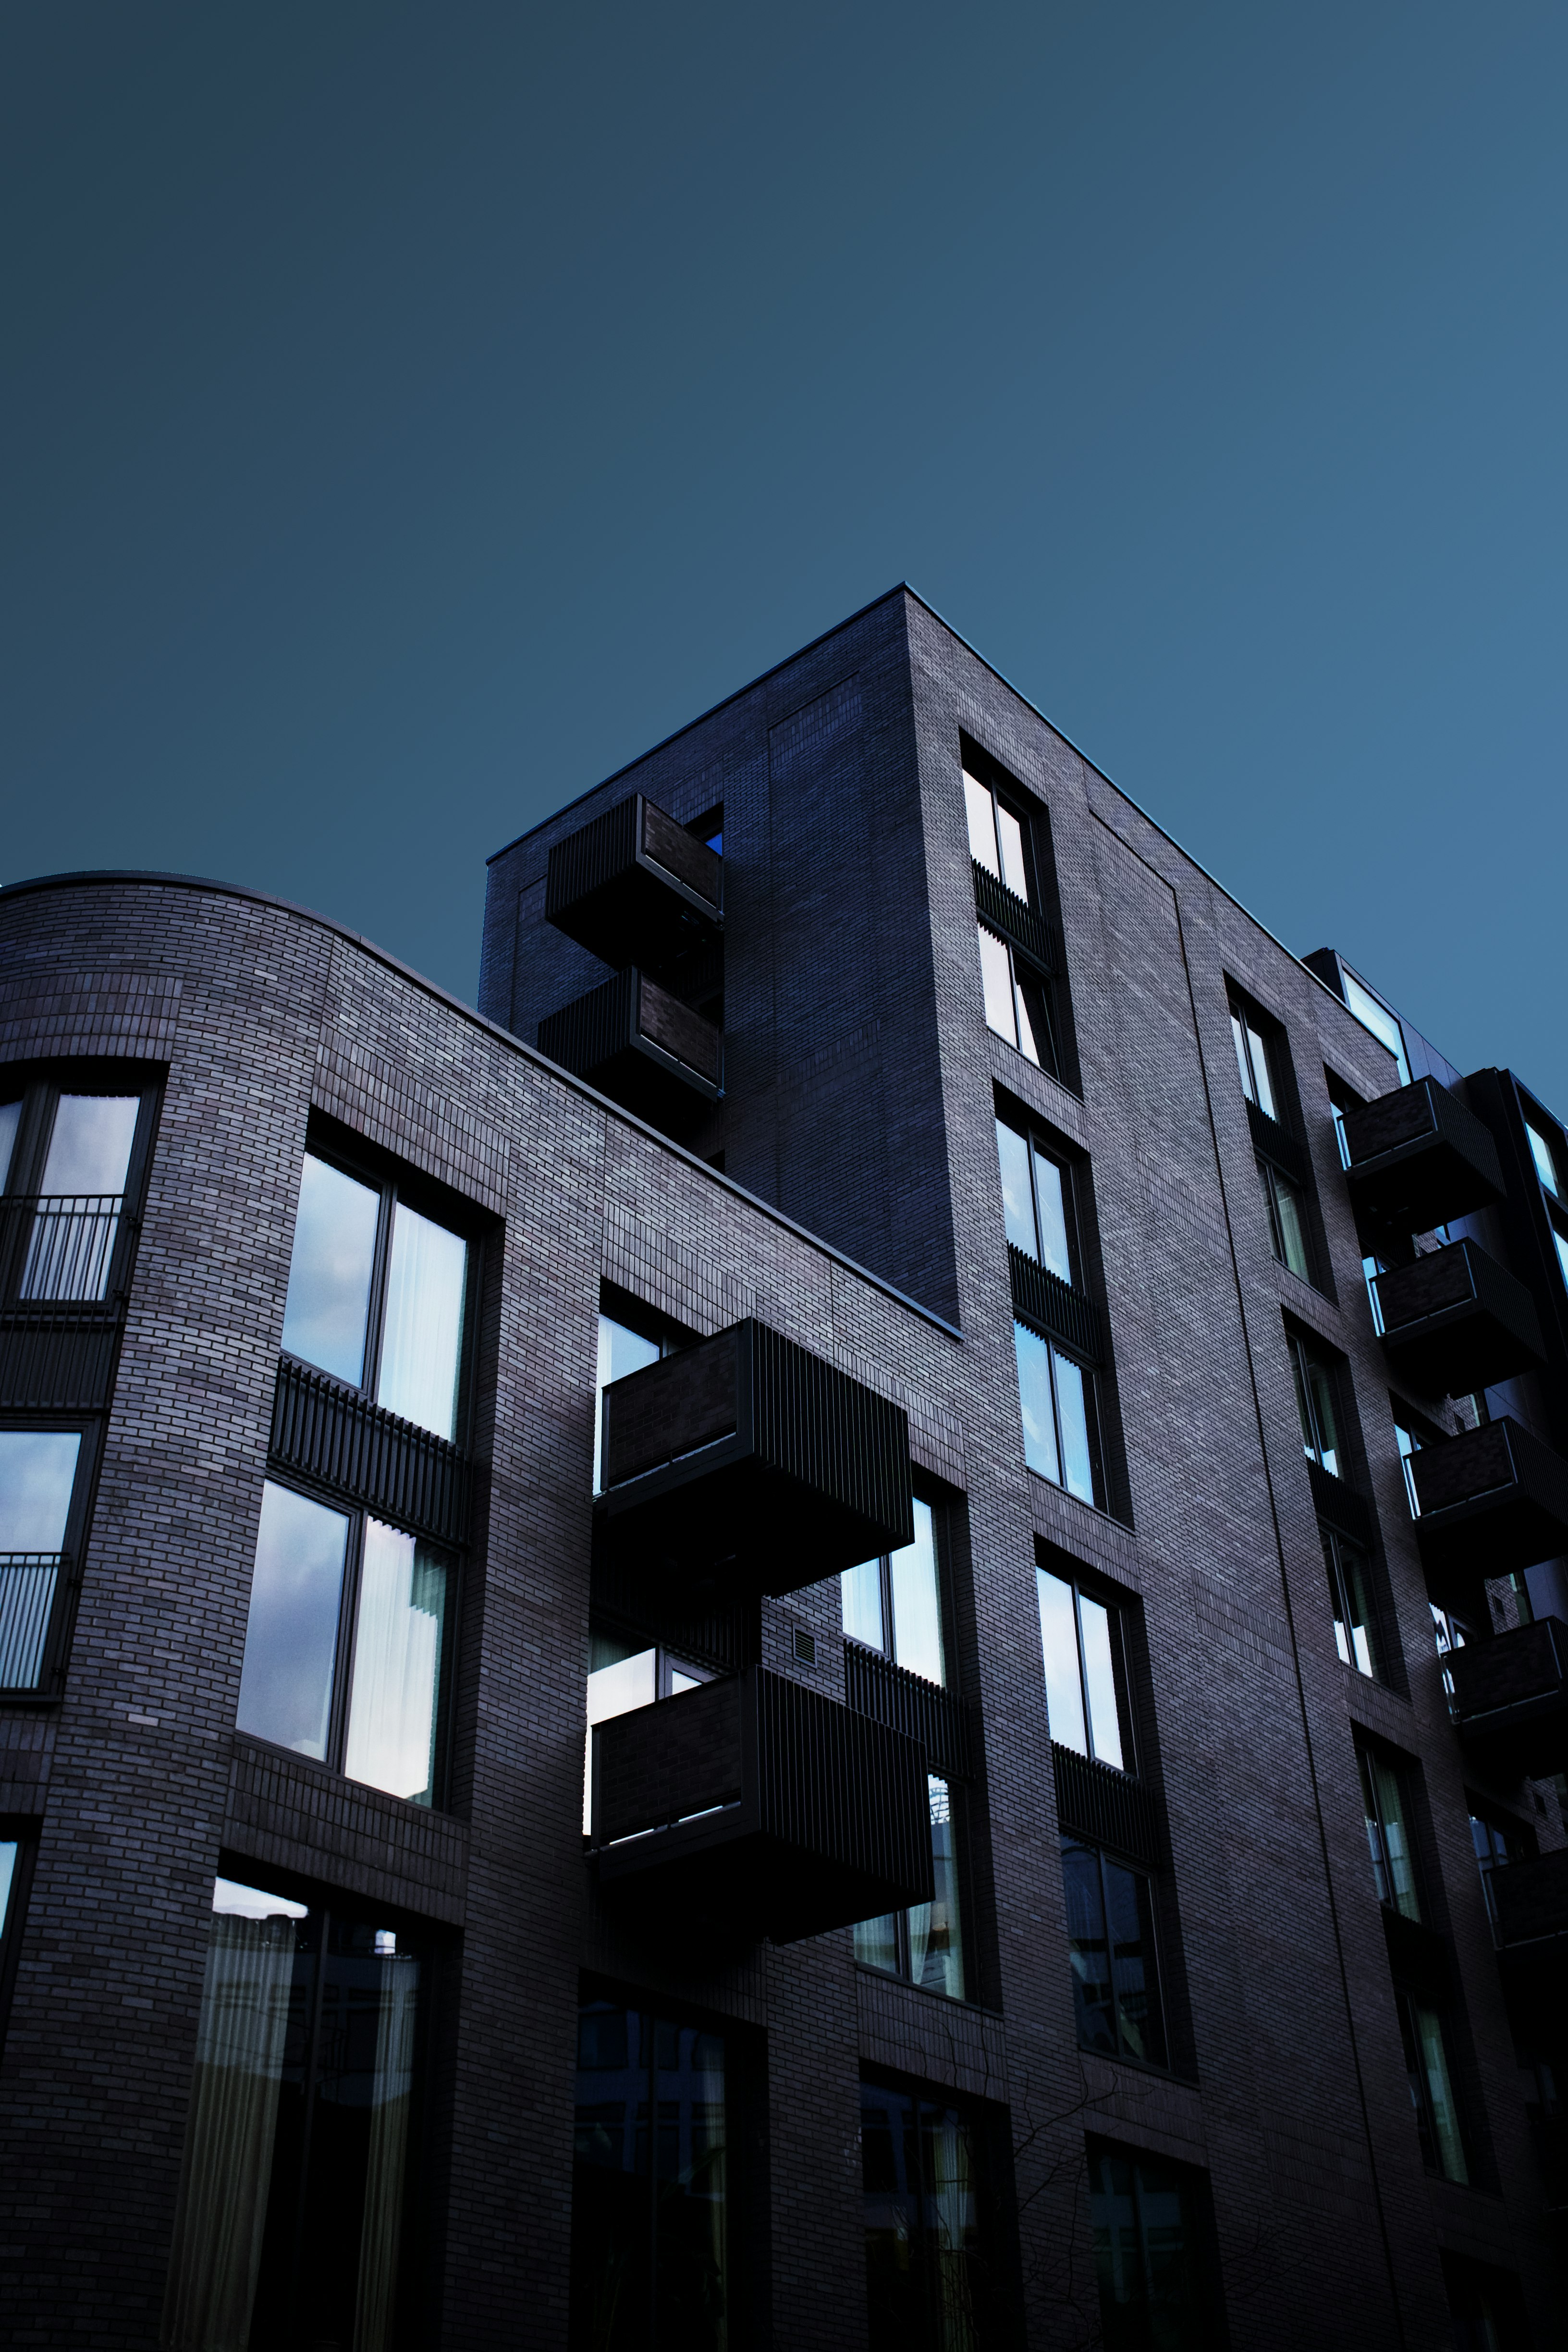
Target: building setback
column 1065, row 1580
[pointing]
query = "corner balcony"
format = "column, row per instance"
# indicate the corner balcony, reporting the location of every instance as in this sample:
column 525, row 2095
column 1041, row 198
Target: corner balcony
column 1454, row 1322
column 633, row 886
column 755, row 1807
column 1492, row 1500
column 1531, row 1899
column 642, row 1047
column 1511, row 1700
column 1417, row 1157
column 747, row 1466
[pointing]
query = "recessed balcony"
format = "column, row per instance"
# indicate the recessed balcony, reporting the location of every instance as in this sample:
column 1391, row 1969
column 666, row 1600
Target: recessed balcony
column 756, row 1807
column 747, row 1466
column 1511, row 1700
column 633, row 886
column 1454, row 1322
column 1417, row 1157
column 642, row 1047
column 1492, row 1500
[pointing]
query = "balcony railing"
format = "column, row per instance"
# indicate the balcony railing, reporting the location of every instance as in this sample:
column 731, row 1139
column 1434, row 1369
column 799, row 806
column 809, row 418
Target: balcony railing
column 1454, row 1322
column 1492, row 1500
column 754, row 1806
column 1276, row 1143
column 1096, row 1801
column 1510, row 1699
column 921, row 1710
column 633, row 886
column 29, row 1583
column 1418, row 1157
column 1015, row 920
column 60, row 1247
column 747, row 1466
column 339, row 1437
column 1053, row 1305
column 640, row 1045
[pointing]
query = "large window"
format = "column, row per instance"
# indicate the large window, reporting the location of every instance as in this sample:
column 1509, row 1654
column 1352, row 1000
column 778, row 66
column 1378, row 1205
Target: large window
column 621, row 1350
column 927, row 2288
column 1287, row 1215
column 1085, row 1672
column 1385, row 1799
column 1017, row 1004
column 924, row 1945
column 296, row 2216
column 1253, row 1060
column 1115, row 1966
column 894, row 1604
column 347, row 1650
column 1543, row 1152
column 1055, row 1395
column 1356, row 1635
column 651, row 2235
column 71, row 1158
column 378, row 1295
column 43, row 1477
column 1380, row 1018
column 17, row 1848
column 1036, row 1203
column 1152, row 2253
column 998, row 836
column 1497, row 1843
column 1431, row 2079
column 1317, row 1401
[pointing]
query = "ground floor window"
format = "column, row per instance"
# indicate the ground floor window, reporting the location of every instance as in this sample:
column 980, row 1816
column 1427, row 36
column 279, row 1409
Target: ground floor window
column 1150, row 2252
column 926, row 2281
column 650, row 2191
column 1111, row 1943
column 925, row 1944
column 295, row 2208
column 1432, row 2089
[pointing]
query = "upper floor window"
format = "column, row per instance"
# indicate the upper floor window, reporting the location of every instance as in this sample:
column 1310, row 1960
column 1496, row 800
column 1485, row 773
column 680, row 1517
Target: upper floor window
column 1253, row 1060
column 1017, row 1006
column 1287, row 1219
column 1388, row 1835
column 1496, row 1844
column 1431, row 2094
column 1111, row 1946
column 1085, row 1671
column 997, row 836
column 894, row 1604
column 1055, row 1396
column 1380, row 1018
column 622, row 1678
column 1317, row 1401
column 621, row 1350
column 1357, row 1635
column 1545, row 1160
column 925, row 1943
column 378, row 1295
column 1036, row 1201
column 70, row 1156
column 43, row 1477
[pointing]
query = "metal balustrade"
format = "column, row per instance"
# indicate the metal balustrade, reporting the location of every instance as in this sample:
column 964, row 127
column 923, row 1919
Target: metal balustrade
column 29, row 1583
column 59, row 1245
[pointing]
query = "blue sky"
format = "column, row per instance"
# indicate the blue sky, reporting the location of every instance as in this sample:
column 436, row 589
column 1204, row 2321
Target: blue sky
column 414, row 413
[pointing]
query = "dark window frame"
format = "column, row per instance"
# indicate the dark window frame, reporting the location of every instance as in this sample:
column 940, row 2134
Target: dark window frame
column 1157, row 1973
column 1037, row 1139
column 20, row 1830
column 1310, row 1350
column 1193, row 2181
column 38, row 1087
column 944, row 1597
column 49, row 1688
column 991, row 777
column 1093, row 1418
column 1400, row 1768
column 1336, row 1545
column 1119, row 1610
column 989, row 2138
column 964, row 1903
column 1030, row 979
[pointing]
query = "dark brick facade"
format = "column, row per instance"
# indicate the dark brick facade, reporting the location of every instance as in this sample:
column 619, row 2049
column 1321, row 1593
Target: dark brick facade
column 859, row 1214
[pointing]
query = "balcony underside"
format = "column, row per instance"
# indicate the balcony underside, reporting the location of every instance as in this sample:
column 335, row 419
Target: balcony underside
column 1454, row 1322
column 1511, row 1700
column 1418, row 1158
column 1493, row 1500
column 633, row 886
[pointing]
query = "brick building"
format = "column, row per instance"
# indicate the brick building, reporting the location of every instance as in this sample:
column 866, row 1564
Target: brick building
column 846, row 1628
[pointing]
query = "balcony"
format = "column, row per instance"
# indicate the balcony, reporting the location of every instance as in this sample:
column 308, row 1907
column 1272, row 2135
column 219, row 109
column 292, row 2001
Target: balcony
column 1491, row 1500
column 747, row 1466
column 1417, row 1157
column 642, row 1047
column 633, row 886
column 1532, row 1898
column 755, row 1807
column 1053, row 1305
column 1511, row 1700
column 65, row 1267
column 1454, row 1322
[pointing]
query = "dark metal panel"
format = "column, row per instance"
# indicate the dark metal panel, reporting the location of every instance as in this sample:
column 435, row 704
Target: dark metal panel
column 679, row 1032
column 638, row 1043
column 588, row 858
column 659, row 1764
column 1531, row 1899
column 830, row 1432
column 1016, row 920
column 1511, row 1698
column 1042, row 1298
column 1454, row 1322
column 842, row 1787
column 1107, row 1807
column 921, row 1710
column 633, row 886
column 58, row 1361
column 1276, row 1143
column 671, row 1408
column 1341, row 1505
column 1418, row 1157
column 342, row 1440
column 692, row 863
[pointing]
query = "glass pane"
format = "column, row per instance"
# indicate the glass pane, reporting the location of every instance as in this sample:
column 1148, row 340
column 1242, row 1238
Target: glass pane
column 917, row 1601
column 877, row 1943
column 1444, row 2113
column 978, row 808
column 1034, row 1023
column 330, row 1273
column 936, row 1930
column 1259, row 1054
column 1399, row 1862
column 862, row 1590
column 1380, row 1021
column 72, row 1242
column 89, row 1148
column 8, row 1852
column 1011, row 833
column 1118, row 2253
column 950, row 2215
column 612, row 2190
column 890, row 2177
column 690, row 2191
column 1104, row 1724
column 290, row 1641
column 1034, row 1397
column 1072, row 1404
column 10, row 1119
column 1133, row 1971
column 1089, row 1954
column 621, row 1352
column 1290, row 1229
column 38, row 1471
column 615, row 1689
column 393, row 1701
column 1059, row 1640
column 1540, row 1151
column 1050, row 1191
column 1561, row 1243
column 1354, row 1622
column 1242, row 1063
column 1017, row 1207
column 997, row 980
column 421, row 1344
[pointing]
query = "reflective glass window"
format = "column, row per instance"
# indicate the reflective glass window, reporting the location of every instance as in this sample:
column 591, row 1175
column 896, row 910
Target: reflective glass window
column 1356, row 1634
column 1156, row 2285
column 925, row 1943
column 621, row 1350
column 1373, row 1014
column 1079, row 1637
column 1317, row 1403
column 1388, row 1835
column 327, row 1313
column 1545, row 1158
column 291, row 1636
column 1056, row 1399
column 980, row 810
column 1112, row 1948
column 894, row 1604
column 422, row 1337
column 927, row 2285
column 1432, row 2089
column 399, row 1640
column 10, row 1119
column 37, row 1480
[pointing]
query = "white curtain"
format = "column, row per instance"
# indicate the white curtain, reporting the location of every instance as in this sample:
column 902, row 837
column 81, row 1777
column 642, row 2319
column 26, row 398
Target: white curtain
column 391, row 2092
column 950, row 2215
column 424, row 1328
column 398, row 1665
column 222, row 2209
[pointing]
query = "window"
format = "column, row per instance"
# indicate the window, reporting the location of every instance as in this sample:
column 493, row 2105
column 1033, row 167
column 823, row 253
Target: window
column 16, row 1846
column 1380, row 1018
column 1388, row 1833
column 1431, row 2089
column 1150, row 2252
column 1316, row 1388
column 1496, row 1846
column 1339, row 1099
column 1056, row 1397
column 1350, row 1592
column 1111, row 1943
column 1409, row 1443
column 1448, row 1634
column 1085, row 1684
column 1036, row 1203
column 652, row 2255
column 1286, row 1220
column 43, row 1477
column 1545, row 1160
column 347, row 1646
column 1253, row 1061
column 998, row 837
column 894, row 1604
column 299, row 2183
column 621, row 1350
column 1016, row 1004
column 925, row 1944
column 927, row 2285
column 1486, row 2305
column 378, row 1295
column 623, row 1677
column 71, row 1158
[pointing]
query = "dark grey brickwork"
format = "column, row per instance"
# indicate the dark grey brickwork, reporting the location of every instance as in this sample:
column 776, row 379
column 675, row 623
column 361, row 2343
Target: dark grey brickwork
column 859, row 1107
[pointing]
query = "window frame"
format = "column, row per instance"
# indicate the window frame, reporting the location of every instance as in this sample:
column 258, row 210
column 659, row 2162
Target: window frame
column 38, row 1090
column 1303, row 1353
column 1037, row 1145
column 1411, row 2005
column 1275, row 1184
column 989, row 2288
column 88, row 1427
column 1096, row 1499
column 980, row 772
column 903, row 1972
column 1335, row 1544
column 20, row 1830
column 1156, row 1971
column 884, row 1562
column 1121, row 1672
column 1369, row 1759
column 1257, row 1037
column 1023, row 973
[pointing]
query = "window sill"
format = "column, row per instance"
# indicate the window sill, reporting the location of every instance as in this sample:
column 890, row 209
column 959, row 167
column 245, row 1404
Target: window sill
column 1142, row 2066
column 924, row 1992
column 1098, row 1509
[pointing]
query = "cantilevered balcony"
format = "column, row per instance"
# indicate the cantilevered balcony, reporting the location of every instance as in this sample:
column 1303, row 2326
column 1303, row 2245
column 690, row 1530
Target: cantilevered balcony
column 641, row 1046
column 633, row 886
column 756, row 1807
column 1454, row 1322
column 1491, row 1500
column 747, row 1466
column 1417, row 1157
column 1531, row 1905
column 1511, row 1700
